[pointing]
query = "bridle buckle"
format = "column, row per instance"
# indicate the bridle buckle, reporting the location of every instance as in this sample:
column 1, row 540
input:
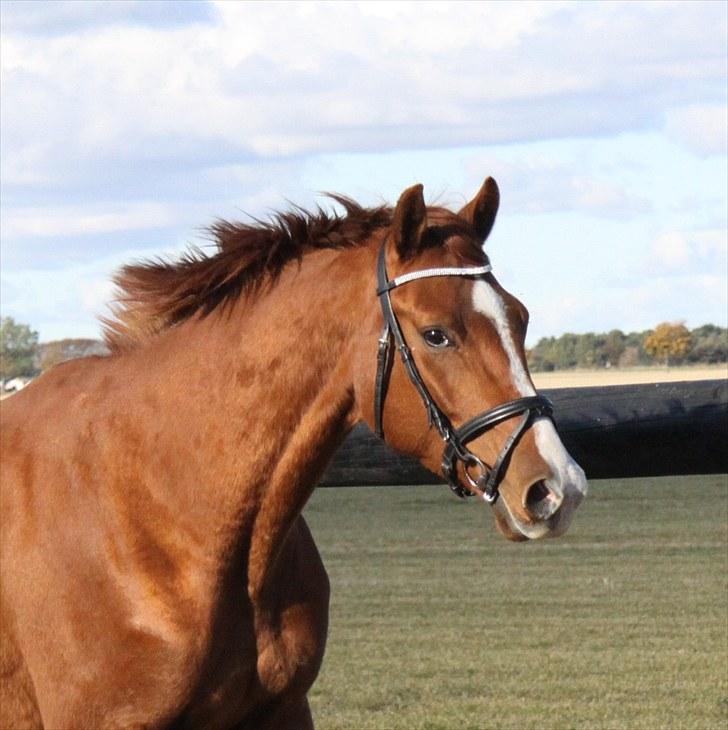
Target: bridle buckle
column 472, row 460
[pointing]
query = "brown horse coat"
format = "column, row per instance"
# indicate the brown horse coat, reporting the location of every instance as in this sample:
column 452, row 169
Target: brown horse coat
column 156, row 571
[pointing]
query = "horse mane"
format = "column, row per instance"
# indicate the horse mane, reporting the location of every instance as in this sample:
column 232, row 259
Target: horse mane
column 160, row 293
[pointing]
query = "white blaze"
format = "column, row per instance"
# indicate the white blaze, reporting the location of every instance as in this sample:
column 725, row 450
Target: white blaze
column 567, row 472
column 487, row 301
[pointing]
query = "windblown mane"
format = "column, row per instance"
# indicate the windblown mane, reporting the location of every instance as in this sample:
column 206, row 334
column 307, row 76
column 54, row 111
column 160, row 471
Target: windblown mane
column 157, row 294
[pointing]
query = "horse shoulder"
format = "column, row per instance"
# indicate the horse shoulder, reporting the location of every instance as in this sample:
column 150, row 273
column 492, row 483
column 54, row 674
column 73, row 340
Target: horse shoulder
column 64, row 565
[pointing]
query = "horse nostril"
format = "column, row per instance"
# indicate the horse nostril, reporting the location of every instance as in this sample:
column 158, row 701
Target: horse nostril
column 540, row 501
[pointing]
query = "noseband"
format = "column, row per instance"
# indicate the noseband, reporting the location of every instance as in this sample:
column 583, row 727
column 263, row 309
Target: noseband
column 487, row 479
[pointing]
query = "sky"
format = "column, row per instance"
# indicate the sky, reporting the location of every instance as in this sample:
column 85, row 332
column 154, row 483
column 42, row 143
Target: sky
column 127, row 127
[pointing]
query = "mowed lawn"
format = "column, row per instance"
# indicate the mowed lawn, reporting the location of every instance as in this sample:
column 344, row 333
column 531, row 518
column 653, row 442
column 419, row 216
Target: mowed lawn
column 438, row 622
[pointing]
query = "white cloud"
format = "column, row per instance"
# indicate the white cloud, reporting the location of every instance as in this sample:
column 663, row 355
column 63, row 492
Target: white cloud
column 636, row 305
column 80, row 220
column 279, row 79
column 66, row 300
column 671, row 250
column 60, row 17
column 545, row 184
column 693, row 298
column 703, row 129
column 698, row 252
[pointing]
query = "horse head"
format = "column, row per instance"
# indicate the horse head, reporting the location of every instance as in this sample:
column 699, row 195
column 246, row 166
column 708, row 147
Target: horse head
column 460, row 397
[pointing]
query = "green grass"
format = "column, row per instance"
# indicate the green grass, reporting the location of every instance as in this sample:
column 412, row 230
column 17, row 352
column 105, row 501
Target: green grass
column 438, row 622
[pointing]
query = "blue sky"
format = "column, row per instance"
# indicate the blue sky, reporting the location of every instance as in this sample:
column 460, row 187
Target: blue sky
column 126, row 127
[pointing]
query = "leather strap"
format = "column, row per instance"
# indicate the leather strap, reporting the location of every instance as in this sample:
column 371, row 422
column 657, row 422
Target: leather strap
column 531, row 407
column 538, row 404
column 490, row 487
column 391, row 323
column 384, row 362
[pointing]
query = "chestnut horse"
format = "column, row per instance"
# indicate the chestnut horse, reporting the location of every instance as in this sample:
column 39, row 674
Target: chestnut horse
column 156, row 570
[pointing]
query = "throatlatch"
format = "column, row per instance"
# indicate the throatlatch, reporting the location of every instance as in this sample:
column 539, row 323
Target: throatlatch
column 488, row 479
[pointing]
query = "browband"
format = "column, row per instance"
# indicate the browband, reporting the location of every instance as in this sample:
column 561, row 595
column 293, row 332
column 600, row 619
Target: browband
column 427, row 273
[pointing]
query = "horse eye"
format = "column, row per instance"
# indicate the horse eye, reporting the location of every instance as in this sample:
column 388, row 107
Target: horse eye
column 435, row 337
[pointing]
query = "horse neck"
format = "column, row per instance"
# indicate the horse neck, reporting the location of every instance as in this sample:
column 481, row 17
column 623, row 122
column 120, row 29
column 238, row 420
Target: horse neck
column 259, row 394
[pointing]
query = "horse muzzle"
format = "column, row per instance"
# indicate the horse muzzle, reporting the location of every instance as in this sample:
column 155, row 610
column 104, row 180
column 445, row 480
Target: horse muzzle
column 548, row 506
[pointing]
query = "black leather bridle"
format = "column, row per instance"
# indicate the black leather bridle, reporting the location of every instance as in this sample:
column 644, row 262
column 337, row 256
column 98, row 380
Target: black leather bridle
column 487, row 480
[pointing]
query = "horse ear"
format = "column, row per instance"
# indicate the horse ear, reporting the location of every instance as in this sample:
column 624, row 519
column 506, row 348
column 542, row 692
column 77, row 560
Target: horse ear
column 482, row 209
column 409, row 221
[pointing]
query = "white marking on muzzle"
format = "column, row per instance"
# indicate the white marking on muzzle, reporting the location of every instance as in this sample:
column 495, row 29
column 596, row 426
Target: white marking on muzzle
column 569, row 474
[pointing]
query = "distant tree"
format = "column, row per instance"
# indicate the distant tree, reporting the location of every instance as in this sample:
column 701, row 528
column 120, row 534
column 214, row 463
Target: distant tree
column 706, row 330
column 538, row 359
column 52, row 353
column 630, row 357
column 562, row 351
column 670, row 340
column 710, row 344
column 18, row 345
column 668, row 343
column 637, row 340
column 49, row 354
column 585, row 350
column 614, row 347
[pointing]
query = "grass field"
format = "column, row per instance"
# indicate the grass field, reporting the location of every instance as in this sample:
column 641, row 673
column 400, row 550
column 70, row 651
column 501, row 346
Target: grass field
column 438, row 622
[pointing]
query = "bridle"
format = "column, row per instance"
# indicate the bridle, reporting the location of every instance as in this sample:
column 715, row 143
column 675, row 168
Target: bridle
column 486, row 482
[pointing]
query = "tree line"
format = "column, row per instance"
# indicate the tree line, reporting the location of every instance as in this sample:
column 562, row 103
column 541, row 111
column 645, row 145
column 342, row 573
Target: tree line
column 670, row 343
column 23, row 356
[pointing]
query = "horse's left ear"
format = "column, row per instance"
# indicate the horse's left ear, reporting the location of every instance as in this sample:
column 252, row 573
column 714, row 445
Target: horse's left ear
column 480, row 212
column 409, row 221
